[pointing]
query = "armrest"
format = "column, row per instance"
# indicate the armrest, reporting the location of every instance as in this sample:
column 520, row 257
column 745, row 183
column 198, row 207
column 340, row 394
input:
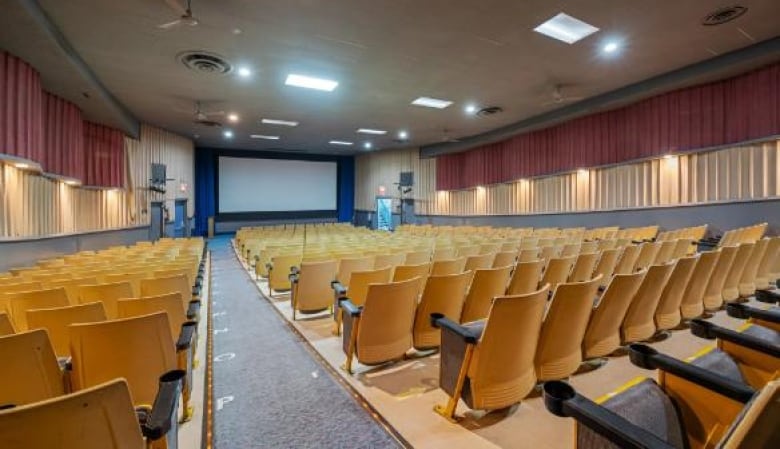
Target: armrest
column 293, row 278
column 6, row 406
column 165, row 408
column 193, row 309
column 269, row 266
column 338, row 288
column 708, row 242
column 350, row 308
column 705, row 329
column 770, row 296
column 562, row 400
column 186, row 334
column 744, row 311
column 646, row 357
column 439, row 321
column 294, row 270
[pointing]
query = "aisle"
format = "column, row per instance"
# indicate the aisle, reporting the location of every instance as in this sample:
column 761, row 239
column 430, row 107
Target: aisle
column 269, row 392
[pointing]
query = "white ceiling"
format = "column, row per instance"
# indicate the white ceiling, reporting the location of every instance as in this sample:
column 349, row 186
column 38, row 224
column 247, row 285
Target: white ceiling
column 384, row 53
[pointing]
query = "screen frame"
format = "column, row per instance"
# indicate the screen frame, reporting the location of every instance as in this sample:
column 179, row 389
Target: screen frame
column 276, row 215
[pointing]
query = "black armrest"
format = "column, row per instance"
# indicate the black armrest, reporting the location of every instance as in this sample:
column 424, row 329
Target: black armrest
column 646, row 357
column 708, row 242
column 705, row 329
column 293, row 278
column 770, row 296
column 165, row 408
column 185, row 336
column 562, row 400
column 338, row 288
column 269, row 266
column 350, row 308
column 295, row 270
column 7, row 406
column 439, row 321
column 193, row 309
column 744, row 311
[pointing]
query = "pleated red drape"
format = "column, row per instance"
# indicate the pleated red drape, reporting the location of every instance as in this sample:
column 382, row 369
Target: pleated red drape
column 734, row 110
column 63, row 133
column 21, row 109
column 104, row 156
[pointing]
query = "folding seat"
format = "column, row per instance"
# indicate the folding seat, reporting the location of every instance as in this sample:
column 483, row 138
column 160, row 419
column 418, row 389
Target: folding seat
column 443, row 295
column 467, row 251
column 488, row 248
column 20, row 303
column 479, row 262
column 688, row 407
column 639, row 324
column 108, row 294
column 683, row 247
column 602, row 336
column 6, row 326
column 56, row 321
column 764, row 276
column 559, row 351
column 557, row 271
column 311, row 291
column 505, row 258
column 667, row 313
column 417, row 257
column 20, row 287
column 450, row 266
column 692, row 301
column 647, row 253
column 357, row 290
column 381, row 330
column 446, row 253
column 528, row 255
column 30, row 371
column 525, row 278
column 549, row 252
column 606, row 265
column 490, row 364
column 348, row 265
column 713, row 293
column 627, row 259
column 486, row 284
column 747, row 281
column 589, row 247
column 583, row 267
column 404, row 272
column 571, row 249
column 172, row 284
column 607, row 244
column 279, row 271
column 134, row 278
column 138, row 349
column 389, row 260
column 730, row 290
column 512, row 245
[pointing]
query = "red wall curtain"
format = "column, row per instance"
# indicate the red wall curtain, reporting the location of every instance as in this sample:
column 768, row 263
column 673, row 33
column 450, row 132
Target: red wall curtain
column 63, row 133
column 730, row 111
column 104, row 156
column 20, row 109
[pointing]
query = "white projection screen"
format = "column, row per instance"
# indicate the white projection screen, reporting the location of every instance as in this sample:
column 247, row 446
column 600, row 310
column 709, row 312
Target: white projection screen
column 276, row 185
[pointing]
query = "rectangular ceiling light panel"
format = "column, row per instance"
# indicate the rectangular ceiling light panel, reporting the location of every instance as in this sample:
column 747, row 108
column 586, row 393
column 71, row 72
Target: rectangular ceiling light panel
column 270, row 121
column 311, row 82
column 431, row 102
column 378, row 132
column 260, row 136
column 340, row 142
column 566, row 28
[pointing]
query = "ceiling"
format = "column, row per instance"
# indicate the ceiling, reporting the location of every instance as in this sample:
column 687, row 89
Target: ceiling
column 383, row 53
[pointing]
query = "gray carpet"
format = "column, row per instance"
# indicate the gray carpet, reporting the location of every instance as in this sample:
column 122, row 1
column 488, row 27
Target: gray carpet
column 281, row 396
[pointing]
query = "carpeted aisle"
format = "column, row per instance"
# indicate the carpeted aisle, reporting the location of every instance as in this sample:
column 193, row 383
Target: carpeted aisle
column 269, row 392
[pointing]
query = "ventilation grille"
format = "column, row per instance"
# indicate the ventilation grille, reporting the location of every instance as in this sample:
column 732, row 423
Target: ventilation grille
column 723, row 15
column 205, row 62
column 490, row 110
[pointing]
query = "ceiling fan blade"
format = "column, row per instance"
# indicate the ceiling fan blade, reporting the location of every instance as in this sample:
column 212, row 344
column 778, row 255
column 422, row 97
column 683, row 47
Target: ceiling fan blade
column 176, row 6
column 169, row 25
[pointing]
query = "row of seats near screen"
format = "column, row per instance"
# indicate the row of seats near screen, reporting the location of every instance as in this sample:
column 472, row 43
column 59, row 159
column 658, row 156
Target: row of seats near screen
column 99, row 346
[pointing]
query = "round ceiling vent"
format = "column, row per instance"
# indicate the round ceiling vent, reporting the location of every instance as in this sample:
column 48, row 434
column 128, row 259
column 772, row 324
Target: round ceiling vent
column 205, row 62
column 490, row 110
column 723, row 15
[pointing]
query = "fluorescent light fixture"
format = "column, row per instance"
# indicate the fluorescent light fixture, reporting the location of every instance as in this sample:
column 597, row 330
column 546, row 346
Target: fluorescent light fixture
column 431, row 102
column 470, row 109
column 566, row 28
column 403, row 135
column 21, row 165
column 367, row 145
column 260, row 136
column 244, row 72
column 270, row 121
column 228, row 134
column 611, row 47
column 311, row 82
column 340, row 142
column 232, row 117
column 378, row 132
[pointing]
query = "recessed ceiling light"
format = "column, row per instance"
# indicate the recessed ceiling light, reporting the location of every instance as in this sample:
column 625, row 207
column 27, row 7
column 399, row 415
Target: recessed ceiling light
column 367, row 145
column 470, row 109
column 232, row 117
column 566, row 28
column 340, row 142
column 236, row 31
column 431, row 102
column 311, row 82
column 610, row 47
column 271, row 121
column 378, row 132
column 244, row 72
column 260, row 136
column 403, row 135
column 228, row 134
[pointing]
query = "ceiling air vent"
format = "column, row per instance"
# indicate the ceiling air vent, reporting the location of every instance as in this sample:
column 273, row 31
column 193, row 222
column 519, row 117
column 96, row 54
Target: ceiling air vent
column 723, row 15
column 205, row 62
column 210, row 123
column 490, row 110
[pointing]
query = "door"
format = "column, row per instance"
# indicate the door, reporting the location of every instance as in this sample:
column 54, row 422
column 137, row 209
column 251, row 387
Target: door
column 180, row 221
column 156, row 220
column 384, row 213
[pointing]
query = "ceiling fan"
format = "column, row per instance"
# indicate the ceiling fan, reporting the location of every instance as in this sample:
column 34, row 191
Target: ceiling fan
column 186, row 17
column 559, row 98
column 202, row 117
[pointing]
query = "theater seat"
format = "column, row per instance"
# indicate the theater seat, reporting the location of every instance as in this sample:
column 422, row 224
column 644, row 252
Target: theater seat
column 639, row 324
column 417, row 257
column 692, row 304
column 559, row 351
column 57, row 320
column 583, row 267
column 765, row 276
column 169, row 284
column 602, row 336
column 490, row 363
column 627, row 260
column 30, row 371
column 557, row 271
column 606, row 265
column 504, row 258
column 747, row 281
column 448, row 266
column 404, row 272
column 713, row 293
column 443, row 295
column 486, row 284
column 6, row 327
column 479, row 262
column 359, row 282
column 108, row 294
column 19, row 303
column 348, row 265
column 101, row 417
column 731, row 284
column 667, row 313
column 525, row 278
column 311, row 290
column 279, row 272
column 388, row 260
column 20, row 287
column 380, row 331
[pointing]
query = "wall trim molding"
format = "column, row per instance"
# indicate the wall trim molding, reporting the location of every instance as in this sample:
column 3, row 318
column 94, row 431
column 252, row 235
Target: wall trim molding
column 70, row 234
